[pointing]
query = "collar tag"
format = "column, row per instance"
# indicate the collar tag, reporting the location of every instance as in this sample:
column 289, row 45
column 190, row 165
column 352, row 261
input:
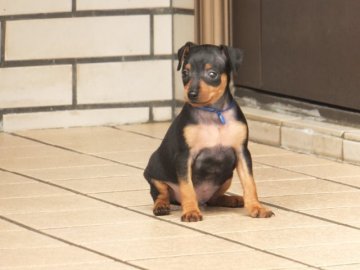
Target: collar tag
column 218, row 112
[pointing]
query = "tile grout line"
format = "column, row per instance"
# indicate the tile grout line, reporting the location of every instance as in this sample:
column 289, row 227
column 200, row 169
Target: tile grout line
column 70, row 243
column 309, row 175
column 141, row 169
column 140, row 213
column 75, row 151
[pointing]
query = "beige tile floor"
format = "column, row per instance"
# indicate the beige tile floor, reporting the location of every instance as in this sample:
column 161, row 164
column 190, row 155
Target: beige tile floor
column 76, row 199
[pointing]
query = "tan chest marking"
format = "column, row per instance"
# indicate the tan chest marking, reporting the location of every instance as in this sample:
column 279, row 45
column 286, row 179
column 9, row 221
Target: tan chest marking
column 200, row 136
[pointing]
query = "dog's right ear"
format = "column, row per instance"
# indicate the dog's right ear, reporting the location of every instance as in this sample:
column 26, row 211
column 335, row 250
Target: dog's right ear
column 182, row 52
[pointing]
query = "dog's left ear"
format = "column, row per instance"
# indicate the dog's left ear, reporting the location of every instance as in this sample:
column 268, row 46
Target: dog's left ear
column 235, row 56
column 182, row 52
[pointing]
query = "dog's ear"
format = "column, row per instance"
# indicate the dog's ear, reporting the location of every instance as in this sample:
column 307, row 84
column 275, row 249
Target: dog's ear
column 234, row 56
column 182, row 52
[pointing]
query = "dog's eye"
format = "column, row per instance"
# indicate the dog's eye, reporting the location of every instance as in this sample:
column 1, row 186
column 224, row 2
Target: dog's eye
column 213, row 75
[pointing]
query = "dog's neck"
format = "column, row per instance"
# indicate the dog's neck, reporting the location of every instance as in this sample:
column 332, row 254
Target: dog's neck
column 223, row 102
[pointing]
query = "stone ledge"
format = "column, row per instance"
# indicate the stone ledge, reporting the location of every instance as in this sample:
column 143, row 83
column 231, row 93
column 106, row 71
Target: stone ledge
column 304, row 135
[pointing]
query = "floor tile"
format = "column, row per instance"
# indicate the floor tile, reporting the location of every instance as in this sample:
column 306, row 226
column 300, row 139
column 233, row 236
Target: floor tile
column 28, row 190
column 78, row 266
column 325, row 255
column 166, row 247
column 127, row 198
column 133, row 156
column 348, row 180
column 8, row 141
column 296, row 237
column 7, row 178
column 292, row 187
column 277, row 174
column 261, row 150
column 156, row 130
column 26, row 239
column 347, row 215
column 46, row 204
column 106, row 184
column 355, row 266
column 228, row 261
column 47, row 257
column 6, row 226
column 317, row 201
column 150, row 229
column 293, row 160
column 77, row 218
column 69, row 160
column 25, row 152
column 330, row 170
column 83, row 172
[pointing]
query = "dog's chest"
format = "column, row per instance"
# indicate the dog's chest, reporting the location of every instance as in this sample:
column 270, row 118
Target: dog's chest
column 232, row 134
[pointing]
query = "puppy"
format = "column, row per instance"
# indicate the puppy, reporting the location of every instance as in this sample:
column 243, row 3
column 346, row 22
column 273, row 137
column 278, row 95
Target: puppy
column 206, row 142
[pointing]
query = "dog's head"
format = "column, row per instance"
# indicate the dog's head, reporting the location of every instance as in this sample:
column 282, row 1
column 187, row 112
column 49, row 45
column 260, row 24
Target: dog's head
column 206, row 71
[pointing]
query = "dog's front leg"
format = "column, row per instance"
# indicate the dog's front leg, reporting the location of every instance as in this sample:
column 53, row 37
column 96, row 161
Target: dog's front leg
column 189, row 203
column 251, row 201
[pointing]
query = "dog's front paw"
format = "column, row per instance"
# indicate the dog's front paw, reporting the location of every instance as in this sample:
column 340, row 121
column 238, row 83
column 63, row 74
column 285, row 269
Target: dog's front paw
column 258, row 211
column 192, row 216
column 161, row 209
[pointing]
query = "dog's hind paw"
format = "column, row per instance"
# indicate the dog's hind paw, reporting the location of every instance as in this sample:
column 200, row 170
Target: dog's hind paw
column 161, row 209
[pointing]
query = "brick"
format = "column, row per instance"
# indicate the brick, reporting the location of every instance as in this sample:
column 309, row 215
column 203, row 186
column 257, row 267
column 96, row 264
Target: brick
column 309, row 141
column 61, row 119
column 162, row 34
column 162, row 113
column 188, row 4
column 329, row 146
column 16, row 7
column 184, row 30
column 264, row 132
column 267, row 116
column 35, row 86
column 116, row 4
column 124, row 82
column 319, row 127
column 352, row 151
column 297, row 139
column 77, row 37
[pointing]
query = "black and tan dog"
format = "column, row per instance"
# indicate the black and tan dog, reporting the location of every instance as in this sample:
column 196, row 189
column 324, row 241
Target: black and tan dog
column 206, row 142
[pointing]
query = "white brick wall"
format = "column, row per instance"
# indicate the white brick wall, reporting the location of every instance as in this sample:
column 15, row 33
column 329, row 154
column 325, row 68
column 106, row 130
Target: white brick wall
column 78, row 37
column 15, row 7
column 124, row 82
column 90, row 62
column 35, row 86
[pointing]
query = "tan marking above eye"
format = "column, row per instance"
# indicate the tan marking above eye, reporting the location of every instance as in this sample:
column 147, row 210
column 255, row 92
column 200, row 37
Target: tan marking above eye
column 208, row 66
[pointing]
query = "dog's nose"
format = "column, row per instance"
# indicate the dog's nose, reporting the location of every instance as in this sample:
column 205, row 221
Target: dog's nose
column 193, row 94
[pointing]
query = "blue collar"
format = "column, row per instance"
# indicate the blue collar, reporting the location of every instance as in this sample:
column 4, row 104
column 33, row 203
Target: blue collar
column 218, row 112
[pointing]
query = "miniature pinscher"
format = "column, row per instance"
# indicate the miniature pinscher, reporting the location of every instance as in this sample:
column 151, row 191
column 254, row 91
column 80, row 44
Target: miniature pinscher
column 206, row 142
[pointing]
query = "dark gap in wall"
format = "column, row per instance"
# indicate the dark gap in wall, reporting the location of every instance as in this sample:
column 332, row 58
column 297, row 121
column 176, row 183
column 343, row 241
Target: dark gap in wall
column 98, row 13
column 88, row 60
column 73, row 7
column 152, row 38
column 2, row 42
column 157, row 103
column 74, row 84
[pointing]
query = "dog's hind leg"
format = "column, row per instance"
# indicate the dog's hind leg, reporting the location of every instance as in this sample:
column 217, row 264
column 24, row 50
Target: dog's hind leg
column 161, row 199
column 223, row 200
